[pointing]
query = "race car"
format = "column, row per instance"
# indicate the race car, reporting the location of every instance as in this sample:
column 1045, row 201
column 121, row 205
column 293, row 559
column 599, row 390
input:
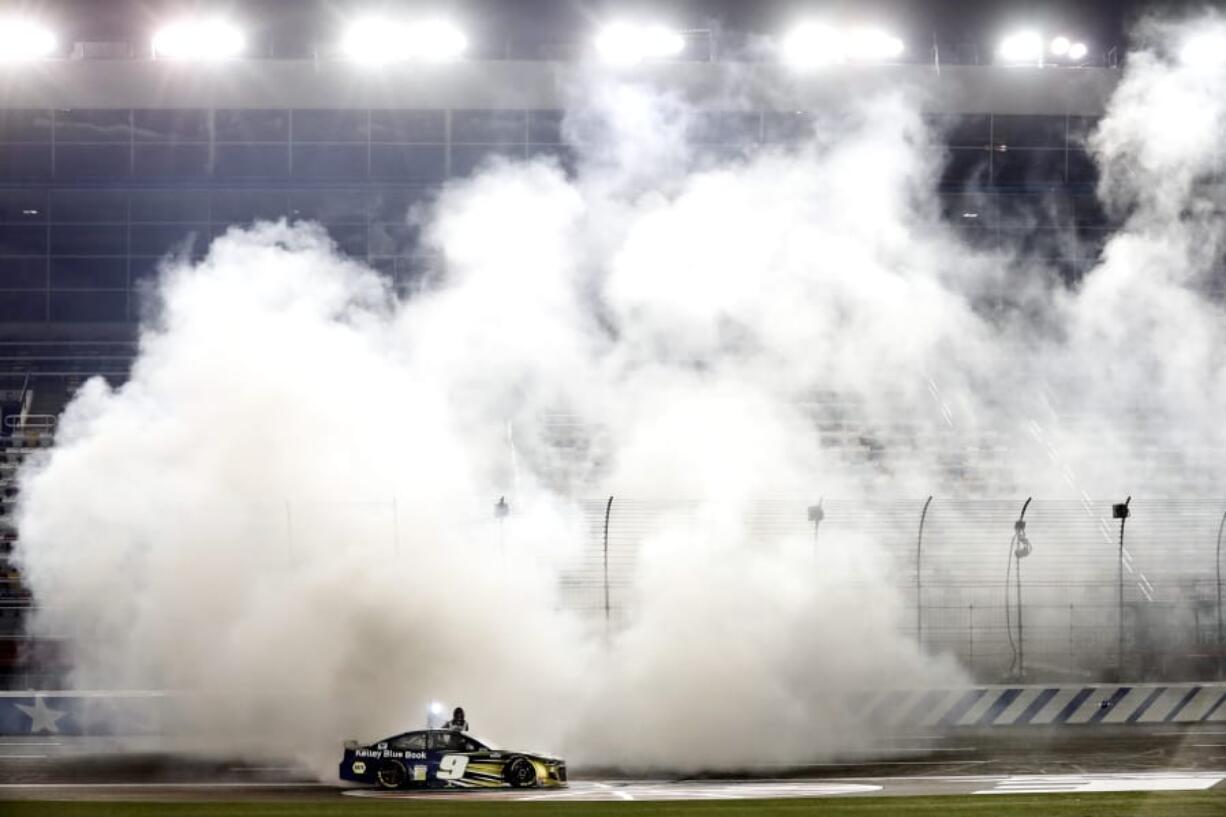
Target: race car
column 447, row 759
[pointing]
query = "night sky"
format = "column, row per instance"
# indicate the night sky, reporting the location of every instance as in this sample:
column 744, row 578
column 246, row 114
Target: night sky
column 494, row 23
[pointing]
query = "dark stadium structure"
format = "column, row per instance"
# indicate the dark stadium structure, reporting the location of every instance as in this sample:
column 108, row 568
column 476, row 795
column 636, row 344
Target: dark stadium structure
column 107, row 166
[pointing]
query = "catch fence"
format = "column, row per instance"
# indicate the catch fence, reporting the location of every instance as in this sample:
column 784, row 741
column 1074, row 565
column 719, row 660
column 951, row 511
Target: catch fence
column 1090, row 609
column 1102, row 598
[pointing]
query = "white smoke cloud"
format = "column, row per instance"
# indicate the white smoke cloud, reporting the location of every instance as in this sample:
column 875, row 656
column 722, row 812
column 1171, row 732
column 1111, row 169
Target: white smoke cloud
column 287, row 509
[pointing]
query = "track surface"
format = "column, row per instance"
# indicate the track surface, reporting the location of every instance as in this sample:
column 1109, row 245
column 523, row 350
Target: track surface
column 623, row 790
column 1028, row 761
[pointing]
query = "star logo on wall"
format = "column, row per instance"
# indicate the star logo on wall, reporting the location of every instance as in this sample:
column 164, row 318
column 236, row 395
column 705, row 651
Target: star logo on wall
column 42, row 717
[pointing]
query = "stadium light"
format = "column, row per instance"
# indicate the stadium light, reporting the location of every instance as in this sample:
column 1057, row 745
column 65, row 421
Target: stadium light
column 812, row 45
column 873, row 45
column 624, row 44
column 1204, row 50
column 1065, row 49
column 373, row 40
column 377, row 40
column 25, row 40
column 204, row 40
column 1021, row 48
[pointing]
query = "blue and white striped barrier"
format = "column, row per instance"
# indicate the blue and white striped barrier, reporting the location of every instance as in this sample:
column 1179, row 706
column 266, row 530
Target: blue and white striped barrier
column 1004, row 706
column 100, row 713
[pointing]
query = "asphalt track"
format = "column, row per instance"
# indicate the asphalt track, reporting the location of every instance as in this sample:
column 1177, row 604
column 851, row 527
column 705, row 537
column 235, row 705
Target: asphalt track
column 1022, row 761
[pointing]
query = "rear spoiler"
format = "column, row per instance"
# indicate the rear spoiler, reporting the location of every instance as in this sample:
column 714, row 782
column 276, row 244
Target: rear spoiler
column 351, row 744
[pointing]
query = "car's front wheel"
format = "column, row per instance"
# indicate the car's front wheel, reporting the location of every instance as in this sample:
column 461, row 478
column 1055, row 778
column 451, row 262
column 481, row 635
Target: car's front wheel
column 391, row 774
column 521, row 773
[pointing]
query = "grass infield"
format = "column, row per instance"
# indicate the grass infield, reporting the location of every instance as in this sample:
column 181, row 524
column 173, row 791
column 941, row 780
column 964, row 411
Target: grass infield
column 1131, row 804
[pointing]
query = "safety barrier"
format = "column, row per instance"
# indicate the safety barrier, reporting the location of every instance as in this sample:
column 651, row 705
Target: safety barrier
column 1071, row 706
column 1138, row 705
column 35, row 712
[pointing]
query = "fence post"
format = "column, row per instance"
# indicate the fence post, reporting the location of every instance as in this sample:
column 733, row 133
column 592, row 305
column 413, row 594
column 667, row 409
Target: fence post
column 816, row 515
column 608, row 509
column 970, row 637
column 1218, row 566
column 395, row 526
column 1072, row 612
column 919, row 574
column 501, row 511
column 1019, row 549
column 1121, row 512
column 289, row 533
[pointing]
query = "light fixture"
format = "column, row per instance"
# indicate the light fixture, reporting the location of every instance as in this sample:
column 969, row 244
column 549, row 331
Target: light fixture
column 1206, row 50
column 873, row 45
column 373, row 40
column 811, row 45
column 25, row 40
column 1068, row 50
column 378, row 40
column 1021, row 48
column 625, row 44
column 203, row 40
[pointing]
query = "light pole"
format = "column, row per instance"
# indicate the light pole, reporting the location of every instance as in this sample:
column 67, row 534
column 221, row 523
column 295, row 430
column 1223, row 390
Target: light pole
column 919, row 574
column 1120, row 511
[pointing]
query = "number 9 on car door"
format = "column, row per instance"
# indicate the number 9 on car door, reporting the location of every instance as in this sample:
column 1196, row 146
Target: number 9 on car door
column 447, row 759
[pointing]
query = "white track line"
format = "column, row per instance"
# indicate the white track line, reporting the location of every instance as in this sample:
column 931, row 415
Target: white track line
column 1193, row 733
column 945, row 762
column 623, row 795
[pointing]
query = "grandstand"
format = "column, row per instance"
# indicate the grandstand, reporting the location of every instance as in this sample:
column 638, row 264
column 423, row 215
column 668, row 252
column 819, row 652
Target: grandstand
column 109, row 165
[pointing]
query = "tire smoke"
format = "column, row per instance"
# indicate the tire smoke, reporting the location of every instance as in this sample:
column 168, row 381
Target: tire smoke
column 284, row 516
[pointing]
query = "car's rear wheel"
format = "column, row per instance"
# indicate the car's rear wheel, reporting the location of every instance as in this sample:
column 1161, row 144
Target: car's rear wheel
column 391, row 774
column 521, row 773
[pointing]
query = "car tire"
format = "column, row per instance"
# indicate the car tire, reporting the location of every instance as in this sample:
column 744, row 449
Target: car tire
column 391, row 774
column 520, row 772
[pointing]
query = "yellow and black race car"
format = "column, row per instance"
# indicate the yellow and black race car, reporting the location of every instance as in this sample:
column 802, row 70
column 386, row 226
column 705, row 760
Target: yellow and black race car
column 445, row 758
